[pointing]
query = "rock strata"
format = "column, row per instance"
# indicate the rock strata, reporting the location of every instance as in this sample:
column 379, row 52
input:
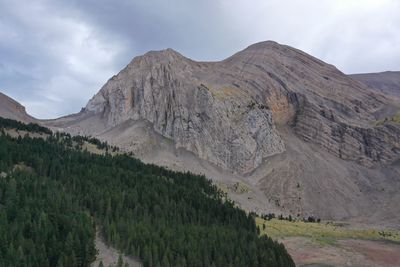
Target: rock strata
column 220, row 124
column 226, row 112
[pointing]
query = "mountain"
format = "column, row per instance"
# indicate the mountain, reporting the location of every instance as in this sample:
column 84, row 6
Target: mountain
column 235, row 101
column 278, row 129
column 11, row 109
column 386, row 82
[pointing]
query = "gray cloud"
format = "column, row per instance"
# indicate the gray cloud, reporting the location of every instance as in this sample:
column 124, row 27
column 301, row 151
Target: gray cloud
column 55, row 54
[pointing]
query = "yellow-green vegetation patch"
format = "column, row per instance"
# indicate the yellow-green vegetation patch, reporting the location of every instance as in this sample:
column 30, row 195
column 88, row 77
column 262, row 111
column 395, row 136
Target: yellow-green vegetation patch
column 239, row 188
column 330, row 241
column 223, row 93
column 325, row 233
column 395, row 119
column 92, row 148
column 223, row 187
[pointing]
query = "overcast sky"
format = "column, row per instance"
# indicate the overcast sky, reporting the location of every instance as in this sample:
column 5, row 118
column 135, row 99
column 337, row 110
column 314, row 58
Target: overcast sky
column 56, row 54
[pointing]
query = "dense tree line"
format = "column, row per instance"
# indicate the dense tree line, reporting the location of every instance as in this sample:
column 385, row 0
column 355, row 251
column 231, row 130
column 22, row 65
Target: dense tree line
column 41, row 224
column 270, row 216
column 78, row 141
column 31, row 127
column 163, row 217
column 91, row 140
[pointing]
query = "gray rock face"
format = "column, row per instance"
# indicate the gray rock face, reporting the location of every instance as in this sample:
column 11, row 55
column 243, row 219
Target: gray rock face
column 365, row 144
column 225, row 112
column 322, row 105
column 219, row 123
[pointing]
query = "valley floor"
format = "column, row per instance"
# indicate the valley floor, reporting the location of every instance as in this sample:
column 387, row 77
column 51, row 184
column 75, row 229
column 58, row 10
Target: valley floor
column 335, row 244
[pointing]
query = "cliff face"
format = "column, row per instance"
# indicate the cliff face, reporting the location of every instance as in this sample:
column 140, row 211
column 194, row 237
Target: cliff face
column 225, row 112
column 215, row 120
column 321, row 104
column 364, row 143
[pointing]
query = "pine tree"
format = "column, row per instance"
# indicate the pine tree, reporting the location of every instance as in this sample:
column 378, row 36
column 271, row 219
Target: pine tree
column 164, row 217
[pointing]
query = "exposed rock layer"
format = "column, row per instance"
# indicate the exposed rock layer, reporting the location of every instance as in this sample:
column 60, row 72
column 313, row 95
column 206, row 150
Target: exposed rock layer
column 218, row 122
column 225, row 112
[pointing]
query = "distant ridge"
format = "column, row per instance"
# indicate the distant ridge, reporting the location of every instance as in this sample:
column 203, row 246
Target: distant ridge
column 11, row 109
column 385, row 82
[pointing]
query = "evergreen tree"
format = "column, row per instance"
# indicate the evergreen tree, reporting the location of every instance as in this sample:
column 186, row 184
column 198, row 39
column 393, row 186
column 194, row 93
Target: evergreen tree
column 49, row 209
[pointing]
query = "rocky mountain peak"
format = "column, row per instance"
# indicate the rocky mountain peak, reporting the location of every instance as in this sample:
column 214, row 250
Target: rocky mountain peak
column 291, row 127
column 174, row 95
column 225, row 112
column 265, row 45
column 165, row 56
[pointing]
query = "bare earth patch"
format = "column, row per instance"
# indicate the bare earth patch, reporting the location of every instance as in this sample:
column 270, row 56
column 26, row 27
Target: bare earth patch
column 376, row 253
column 348, row 252
column 335, row 244
column 109, row 255
column 306, row 252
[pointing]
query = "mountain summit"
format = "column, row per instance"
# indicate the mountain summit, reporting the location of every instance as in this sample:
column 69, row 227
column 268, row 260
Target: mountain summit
column 300, row 135
column 225, row 112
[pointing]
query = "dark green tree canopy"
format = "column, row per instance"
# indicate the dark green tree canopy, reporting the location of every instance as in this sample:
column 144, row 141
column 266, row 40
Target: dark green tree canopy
column 49, row 211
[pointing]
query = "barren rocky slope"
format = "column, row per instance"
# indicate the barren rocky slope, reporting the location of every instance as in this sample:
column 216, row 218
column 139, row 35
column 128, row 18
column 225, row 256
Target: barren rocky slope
column 224, row 111
column 386, row 82
column 11, row 109
column 296, row 132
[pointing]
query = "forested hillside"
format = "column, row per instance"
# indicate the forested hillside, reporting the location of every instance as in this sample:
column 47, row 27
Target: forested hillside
column 52, row 196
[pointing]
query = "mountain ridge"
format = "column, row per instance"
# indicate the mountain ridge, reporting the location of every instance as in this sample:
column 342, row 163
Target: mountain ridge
column 387, row 82
column 357, row 109
column 300, row 134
